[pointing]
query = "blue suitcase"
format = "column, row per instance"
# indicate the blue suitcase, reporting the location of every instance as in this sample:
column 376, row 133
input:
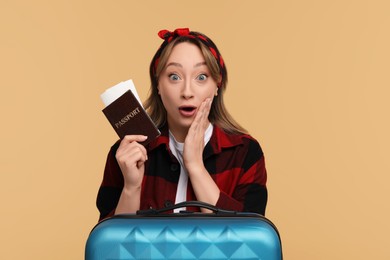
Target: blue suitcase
column 153, row 234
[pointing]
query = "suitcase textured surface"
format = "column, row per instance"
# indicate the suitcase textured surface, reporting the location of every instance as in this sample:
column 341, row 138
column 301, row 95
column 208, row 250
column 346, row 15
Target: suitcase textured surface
column 184, row 236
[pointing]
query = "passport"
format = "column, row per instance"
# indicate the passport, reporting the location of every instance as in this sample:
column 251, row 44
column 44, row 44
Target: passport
column 126, row 114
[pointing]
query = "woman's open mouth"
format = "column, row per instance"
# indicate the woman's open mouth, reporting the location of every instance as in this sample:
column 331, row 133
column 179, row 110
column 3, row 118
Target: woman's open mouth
column 187, row 111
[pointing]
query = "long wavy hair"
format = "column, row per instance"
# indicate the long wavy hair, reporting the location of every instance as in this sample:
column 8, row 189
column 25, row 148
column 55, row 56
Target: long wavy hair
column 218, row 113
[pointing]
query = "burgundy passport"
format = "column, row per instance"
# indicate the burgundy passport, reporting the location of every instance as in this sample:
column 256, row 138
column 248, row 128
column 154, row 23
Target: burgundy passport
column 128, row 117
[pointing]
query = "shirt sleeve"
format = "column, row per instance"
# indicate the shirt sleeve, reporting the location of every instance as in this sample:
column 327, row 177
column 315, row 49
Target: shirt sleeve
column 250, row 193
column 111, row 186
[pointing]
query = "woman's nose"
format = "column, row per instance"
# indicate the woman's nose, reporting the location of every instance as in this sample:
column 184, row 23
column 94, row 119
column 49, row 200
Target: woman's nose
column 187, row 90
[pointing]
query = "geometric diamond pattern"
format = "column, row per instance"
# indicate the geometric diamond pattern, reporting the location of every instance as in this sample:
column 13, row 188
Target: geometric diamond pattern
column 167, row 249
column 136, row 243
column 229, row 242
column 119, row 252
column 197, row 242
column 185, row 239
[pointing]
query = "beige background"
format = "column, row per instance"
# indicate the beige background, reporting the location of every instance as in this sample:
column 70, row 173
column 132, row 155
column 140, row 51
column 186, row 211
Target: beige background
column 309, row 79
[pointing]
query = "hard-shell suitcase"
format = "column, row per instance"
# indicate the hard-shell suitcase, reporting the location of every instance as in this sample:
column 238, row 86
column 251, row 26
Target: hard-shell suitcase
column 151, row 234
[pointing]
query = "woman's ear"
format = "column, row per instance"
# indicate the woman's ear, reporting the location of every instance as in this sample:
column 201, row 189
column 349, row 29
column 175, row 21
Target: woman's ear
column 216, row 92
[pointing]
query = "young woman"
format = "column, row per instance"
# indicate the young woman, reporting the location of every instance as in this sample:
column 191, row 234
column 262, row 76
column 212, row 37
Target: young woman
column 202, row 153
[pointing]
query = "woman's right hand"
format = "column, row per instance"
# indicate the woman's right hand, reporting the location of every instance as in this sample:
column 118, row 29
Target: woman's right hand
column 131, row 157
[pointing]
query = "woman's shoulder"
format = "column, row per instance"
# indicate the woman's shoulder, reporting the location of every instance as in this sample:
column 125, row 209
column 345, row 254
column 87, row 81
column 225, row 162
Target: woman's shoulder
column 225, row 138
column 250, row 143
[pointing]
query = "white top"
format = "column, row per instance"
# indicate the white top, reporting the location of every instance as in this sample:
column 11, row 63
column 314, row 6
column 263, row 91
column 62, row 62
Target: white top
column 177, row 150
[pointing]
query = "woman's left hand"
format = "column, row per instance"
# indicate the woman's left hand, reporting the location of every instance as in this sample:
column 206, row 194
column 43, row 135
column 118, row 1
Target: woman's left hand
column 194, row 142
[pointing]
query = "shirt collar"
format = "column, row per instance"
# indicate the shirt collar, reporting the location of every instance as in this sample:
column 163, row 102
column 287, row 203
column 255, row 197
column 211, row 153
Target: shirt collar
column 163, row 139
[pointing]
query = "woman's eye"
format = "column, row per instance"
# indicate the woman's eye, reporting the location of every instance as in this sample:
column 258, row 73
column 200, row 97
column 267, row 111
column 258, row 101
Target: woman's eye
column 202, row 77
column 174, row 77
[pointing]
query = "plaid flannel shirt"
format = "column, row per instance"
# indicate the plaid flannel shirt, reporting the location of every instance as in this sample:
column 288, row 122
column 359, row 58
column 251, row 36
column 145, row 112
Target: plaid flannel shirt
column 235, row 162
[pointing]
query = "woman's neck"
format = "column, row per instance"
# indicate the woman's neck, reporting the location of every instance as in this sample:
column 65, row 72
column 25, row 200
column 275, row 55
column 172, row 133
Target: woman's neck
column 179, row 133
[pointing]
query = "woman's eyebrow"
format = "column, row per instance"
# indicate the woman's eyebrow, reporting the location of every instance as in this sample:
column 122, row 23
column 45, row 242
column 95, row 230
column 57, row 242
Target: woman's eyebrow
column 200, row 64
column 174, row 64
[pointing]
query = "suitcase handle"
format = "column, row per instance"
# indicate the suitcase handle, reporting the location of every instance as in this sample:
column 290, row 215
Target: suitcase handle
column 200, row 204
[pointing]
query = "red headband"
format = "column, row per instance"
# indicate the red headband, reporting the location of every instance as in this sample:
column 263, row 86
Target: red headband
column 168, row 36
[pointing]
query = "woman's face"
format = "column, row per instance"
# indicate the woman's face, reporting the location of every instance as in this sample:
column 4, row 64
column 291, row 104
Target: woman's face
column 184, row 84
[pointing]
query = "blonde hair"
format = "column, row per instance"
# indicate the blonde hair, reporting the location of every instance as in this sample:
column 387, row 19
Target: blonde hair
column 218, row 113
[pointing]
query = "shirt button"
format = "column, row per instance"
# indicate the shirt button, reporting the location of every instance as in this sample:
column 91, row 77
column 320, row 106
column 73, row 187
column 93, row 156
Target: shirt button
column 174, row 167
column 168, row 203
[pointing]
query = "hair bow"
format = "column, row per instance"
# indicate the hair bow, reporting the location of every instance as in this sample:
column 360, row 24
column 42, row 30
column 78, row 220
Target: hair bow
column 168, row 35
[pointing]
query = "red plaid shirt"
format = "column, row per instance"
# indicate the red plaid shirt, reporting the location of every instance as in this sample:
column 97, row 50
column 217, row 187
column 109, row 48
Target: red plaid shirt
column 235, row 162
